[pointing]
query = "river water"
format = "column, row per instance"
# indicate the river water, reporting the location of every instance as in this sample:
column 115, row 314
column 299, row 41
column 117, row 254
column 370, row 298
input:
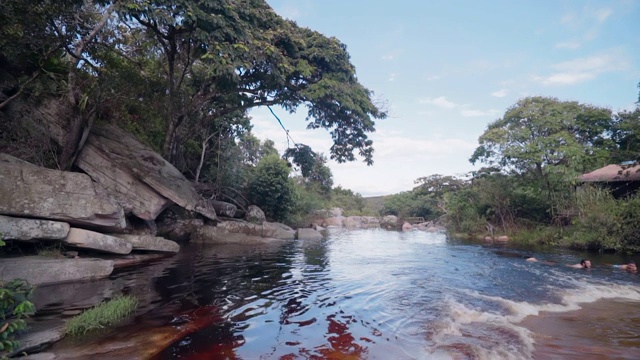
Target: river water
column 366, row 294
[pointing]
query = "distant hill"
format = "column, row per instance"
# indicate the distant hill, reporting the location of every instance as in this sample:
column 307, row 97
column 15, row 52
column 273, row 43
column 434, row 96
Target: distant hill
column 374, row 203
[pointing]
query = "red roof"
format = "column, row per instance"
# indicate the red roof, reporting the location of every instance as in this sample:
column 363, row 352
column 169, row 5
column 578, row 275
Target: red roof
column 612, row 173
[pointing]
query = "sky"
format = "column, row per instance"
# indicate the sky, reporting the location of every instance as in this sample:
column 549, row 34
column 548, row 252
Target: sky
column 445, row 69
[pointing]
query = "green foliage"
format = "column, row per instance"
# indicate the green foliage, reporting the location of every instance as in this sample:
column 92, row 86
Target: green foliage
column 15, row 309
column 307, row 200
column 410, row 204
column 271, row 188
column 106, row 314
column 351, row 203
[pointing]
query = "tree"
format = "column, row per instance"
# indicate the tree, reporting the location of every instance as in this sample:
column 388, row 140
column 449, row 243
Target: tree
column 541, row 135
column 626, row 135
column 271, row 188
column 226, row 56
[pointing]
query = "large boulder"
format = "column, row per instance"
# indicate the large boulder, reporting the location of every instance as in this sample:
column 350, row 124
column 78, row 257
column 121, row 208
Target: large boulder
column 255, row 215
column 224, row 208
column 96, row 241
column 278, row 231
column 41, row 271
column 150, row 243
column 232, row 232
column 27, row 229
column 31, row 191
column 389, row 221
column 337, row 221
column 360, row 222
column 140, row 179
column 178, row 224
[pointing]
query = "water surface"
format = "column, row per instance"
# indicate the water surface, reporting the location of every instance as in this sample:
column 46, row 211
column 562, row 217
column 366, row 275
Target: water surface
column 376, row 294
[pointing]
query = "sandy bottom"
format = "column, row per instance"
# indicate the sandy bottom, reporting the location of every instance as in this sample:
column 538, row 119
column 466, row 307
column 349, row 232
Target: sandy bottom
column 605, row 329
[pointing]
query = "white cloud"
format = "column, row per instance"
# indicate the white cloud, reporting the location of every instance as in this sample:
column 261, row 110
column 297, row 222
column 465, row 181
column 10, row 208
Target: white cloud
column 500, row 93
column 583, row 69
column 392, row 76
column 568, row 45
column 440, row 101
column 601, row 15
column 433, row 77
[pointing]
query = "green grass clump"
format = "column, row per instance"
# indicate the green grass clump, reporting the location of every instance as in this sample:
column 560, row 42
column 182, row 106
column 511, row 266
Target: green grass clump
column 106, row 314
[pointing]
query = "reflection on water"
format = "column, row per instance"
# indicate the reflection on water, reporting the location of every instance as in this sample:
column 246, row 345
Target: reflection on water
column 378, row 294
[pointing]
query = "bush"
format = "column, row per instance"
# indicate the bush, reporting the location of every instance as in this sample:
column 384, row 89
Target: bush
column 106, row 314
column 271, row 189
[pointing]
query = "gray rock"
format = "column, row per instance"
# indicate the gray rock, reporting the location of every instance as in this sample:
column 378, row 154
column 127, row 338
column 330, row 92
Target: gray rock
column 308, row 234
column 337, row 221
column 32, row 191
column 39, row 356
column 278, row 231
column 151, row 243
column 178, row 224
column 224, row 208
column 92, row 240
column 255, row 215
column 407, row 227
column 389, row 221
column 13, row 228
column 41, row 271
column 139, row 178
column 219, row 235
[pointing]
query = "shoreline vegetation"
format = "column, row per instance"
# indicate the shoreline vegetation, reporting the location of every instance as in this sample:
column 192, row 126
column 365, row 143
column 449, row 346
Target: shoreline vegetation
column 106, row 314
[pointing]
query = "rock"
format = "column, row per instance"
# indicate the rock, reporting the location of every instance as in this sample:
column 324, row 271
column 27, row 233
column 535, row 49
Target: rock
column 137, row 176
column 231, row 232
column 71, row 254
column 57, row 195
column 151, row 243
column 334, row 221
column 92, row 240
column 26, row 229
column 407, row 227
column 358, row 222
column 40, row 271
column 488, row 238
column 34, row 340
column 6, row 158
column 278, row 231
column 136, row 259
column 219, row 235
column 317, row 227
column 255, row 215
column 39, row 356
column 224, row 208
column 389, row 221
column 308, row 234
column 178, row 224
column 503, row 238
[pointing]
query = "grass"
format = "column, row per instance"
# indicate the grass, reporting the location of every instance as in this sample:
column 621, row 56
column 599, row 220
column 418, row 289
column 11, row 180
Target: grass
column 106, row 314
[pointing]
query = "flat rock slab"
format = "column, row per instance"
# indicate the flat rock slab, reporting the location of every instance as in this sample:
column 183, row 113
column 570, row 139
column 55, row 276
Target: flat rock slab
column 308, row 234
column 39, row 356
column 41, row 271
column 96, row 241
column 219, row 235
column 150, row 243
column 136, row 259
column 29, row 191
column 34, row 340
column 13, row 228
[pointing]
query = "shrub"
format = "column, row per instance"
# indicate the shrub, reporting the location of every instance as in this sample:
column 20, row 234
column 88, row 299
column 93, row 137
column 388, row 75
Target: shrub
column 106, row 314
column 15, row 309
column 271, row 189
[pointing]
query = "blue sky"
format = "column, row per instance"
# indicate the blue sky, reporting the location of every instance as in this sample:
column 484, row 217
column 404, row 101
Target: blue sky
column 446, row 69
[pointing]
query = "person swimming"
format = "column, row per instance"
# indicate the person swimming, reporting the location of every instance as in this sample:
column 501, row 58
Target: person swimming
column 584, row 264
column 630, row 267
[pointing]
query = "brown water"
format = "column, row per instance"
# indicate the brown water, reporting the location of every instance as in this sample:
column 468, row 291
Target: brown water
column 362, row 294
